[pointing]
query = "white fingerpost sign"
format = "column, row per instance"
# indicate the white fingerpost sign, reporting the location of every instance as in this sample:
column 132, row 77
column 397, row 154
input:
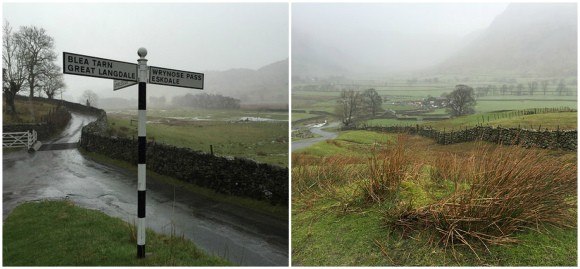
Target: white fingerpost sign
column 176, row 78
column 124, row 75
column 82, row 65
column 120, row 84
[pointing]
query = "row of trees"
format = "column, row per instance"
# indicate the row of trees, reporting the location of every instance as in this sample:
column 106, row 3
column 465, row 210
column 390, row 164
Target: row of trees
column 207, row 101
column 28, row 63
column 353, row 104
column 529, row 88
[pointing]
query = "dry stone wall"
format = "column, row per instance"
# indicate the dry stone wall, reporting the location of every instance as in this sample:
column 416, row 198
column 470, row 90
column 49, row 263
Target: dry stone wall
column 559, row 139
column 232, row 176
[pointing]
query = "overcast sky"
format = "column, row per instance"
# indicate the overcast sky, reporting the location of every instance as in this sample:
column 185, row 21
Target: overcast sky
column 185, row 36
column 412, row 18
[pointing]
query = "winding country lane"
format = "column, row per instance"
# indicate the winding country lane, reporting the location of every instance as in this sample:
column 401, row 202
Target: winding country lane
column 240, row 235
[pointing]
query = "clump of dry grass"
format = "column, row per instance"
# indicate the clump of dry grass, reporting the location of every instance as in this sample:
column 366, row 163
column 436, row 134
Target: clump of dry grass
column 447, row 166
column 510, row 189
column 387, row 168
column 322, row 174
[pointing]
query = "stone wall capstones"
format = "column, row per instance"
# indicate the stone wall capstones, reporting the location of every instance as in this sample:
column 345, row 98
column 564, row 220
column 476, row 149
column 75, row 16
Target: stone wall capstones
column 559, row 139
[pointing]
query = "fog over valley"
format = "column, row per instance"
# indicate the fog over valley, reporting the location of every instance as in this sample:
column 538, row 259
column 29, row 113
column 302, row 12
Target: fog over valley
column 431, row 39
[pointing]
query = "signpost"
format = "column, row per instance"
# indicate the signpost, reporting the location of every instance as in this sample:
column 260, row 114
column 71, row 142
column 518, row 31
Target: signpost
column 176, row 78
column 82, row 65
column 124, row 75
column 120, row 84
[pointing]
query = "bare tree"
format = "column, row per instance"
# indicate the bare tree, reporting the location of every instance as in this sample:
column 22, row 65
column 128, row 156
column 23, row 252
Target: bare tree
column 520, row 89
column 504, row 89
column 348, row 106
column 561, row 87
column 511, row 89
column 38, row 49
column 532, row 86
column 51, row 80
column 544, row 84
column 13, row 71
column 372, row 101
column 90, row 98
column 461, row 101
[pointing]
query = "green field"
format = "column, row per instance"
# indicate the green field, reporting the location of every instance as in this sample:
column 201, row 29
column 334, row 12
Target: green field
column 488, row 106
column 301, row 116
column 336, row 223
column 263, row 141
column 552, row 121
column 397, row 94
column 58, row 233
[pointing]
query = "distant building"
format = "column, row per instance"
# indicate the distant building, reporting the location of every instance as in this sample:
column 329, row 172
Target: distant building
column 434, row 102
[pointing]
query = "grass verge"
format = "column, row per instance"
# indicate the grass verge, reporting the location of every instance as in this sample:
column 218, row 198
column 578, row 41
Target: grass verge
column 277, row 211
column 58, row 233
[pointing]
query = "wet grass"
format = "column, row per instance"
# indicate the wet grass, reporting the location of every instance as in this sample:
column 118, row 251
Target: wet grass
column 277, row 211
column 552, row 121
column 58, row 233
column 265, row 142
column 348, row 142
column 336, row 221
column 26, row 112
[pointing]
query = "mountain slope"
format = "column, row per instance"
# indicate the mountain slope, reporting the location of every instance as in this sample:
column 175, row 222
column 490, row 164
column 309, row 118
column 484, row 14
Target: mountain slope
column 268, row 84
column 524, row 39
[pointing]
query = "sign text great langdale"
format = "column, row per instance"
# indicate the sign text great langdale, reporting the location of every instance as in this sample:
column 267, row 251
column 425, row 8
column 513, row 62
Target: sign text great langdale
column 76, row 64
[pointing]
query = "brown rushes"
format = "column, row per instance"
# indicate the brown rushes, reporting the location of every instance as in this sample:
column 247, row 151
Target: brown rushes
column 510, row 189
column 322, row 174
column 386, row 170
column 447, row 166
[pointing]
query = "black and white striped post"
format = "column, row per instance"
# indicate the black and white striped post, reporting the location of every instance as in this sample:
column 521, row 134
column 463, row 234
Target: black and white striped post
column 142, row 140
column 124, row 75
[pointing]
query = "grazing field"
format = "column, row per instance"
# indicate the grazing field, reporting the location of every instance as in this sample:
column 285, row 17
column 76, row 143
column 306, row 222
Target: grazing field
column 301, row 116
column 495, row 105
column 552, row 121
column 58, row 233
column 262, row 136
column 398, row 95
column 377, row 199
column 543, row 120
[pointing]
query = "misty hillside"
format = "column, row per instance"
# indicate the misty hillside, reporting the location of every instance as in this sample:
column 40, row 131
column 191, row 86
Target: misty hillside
column 368, row 51
column 268, row 84
column 311, row 57
column 524, row 39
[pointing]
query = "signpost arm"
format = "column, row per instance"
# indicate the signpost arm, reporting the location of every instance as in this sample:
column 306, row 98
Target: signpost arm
column 142, row 140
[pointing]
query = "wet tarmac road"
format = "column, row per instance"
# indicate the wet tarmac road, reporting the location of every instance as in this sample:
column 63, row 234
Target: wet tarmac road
column 325, row 135
column 242, row 236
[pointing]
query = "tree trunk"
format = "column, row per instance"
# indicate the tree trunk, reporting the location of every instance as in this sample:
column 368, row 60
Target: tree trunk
column 11, row 107
column 31, row 85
